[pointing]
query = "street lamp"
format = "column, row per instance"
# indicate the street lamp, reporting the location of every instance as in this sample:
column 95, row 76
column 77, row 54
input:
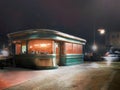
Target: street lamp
column 94, row 47
column 102, row 32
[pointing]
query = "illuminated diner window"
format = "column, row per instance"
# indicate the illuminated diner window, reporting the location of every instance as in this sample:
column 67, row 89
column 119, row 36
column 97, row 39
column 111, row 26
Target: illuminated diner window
column 79, row 49
column 71, row 48
column 18, row 49
column 75, row 48
column 23, row 47
column 68, row 48
column 40, row 46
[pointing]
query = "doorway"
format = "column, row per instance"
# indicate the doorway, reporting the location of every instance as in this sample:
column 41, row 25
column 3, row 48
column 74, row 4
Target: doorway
column 57, row 52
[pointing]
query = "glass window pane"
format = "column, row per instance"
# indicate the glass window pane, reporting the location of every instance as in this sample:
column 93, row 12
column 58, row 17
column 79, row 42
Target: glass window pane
column 79, row 49
column 68, row 48
column 18, row 49
column 23, row 47
column 40, row 46
column 75, row 49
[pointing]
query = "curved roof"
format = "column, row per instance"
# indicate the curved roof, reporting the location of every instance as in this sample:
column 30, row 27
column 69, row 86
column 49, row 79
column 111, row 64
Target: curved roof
column 48, row 32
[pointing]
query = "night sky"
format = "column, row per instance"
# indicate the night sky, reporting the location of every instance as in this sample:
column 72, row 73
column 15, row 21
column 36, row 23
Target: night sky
column 76, row 17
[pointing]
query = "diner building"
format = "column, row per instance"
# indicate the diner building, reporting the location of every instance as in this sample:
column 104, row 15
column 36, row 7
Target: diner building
column 45, row 48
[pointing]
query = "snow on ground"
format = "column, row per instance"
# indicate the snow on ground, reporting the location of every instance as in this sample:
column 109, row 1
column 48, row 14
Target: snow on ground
column 90, row 76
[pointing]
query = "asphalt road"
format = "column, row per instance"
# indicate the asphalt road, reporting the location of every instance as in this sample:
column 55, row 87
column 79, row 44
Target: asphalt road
column 87, row 76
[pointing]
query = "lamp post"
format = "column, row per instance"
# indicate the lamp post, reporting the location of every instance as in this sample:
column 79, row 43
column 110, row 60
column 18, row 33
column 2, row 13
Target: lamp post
column 94, row 47
column 102, row 32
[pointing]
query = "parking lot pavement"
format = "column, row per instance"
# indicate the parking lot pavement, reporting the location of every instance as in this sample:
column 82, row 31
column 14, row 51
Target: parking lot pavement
column 88, row 76
column 10, row 76
column 115, row 83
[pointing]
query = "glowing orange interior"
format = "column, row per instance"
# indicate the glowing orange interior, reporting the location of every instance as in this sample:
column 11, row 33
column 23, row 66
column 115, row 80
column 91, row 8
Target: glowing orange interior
column 71, row 48
column 40, row 46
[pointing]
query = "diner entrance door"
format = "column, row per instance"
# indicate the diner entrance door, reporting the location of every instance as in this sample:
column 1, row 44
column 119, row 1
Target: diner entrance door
column 57, row 52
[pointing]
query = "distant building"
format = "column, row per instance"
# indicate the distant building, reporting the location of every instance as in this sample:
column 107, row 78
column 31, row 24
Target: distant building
column 114, row 39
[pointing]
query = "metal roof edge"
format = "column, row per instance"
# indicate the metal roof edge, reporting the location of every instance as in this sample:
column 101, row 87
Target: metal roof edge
column 47, row 30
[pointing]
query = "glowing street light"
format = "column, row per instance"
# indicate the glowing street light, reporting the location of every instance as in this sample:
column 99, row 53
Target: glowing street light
column 94, row 47
column 101, row 31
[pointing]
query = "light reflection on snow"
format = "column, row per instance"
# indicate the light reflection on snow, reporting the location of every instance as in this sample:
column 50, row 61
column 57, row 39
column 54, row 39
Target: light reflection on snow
column 109, row 62
column 95, row 65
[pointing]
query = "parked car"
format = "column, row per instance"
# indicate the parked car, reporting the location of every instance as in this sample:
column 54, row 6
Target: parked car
column 113, row 54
